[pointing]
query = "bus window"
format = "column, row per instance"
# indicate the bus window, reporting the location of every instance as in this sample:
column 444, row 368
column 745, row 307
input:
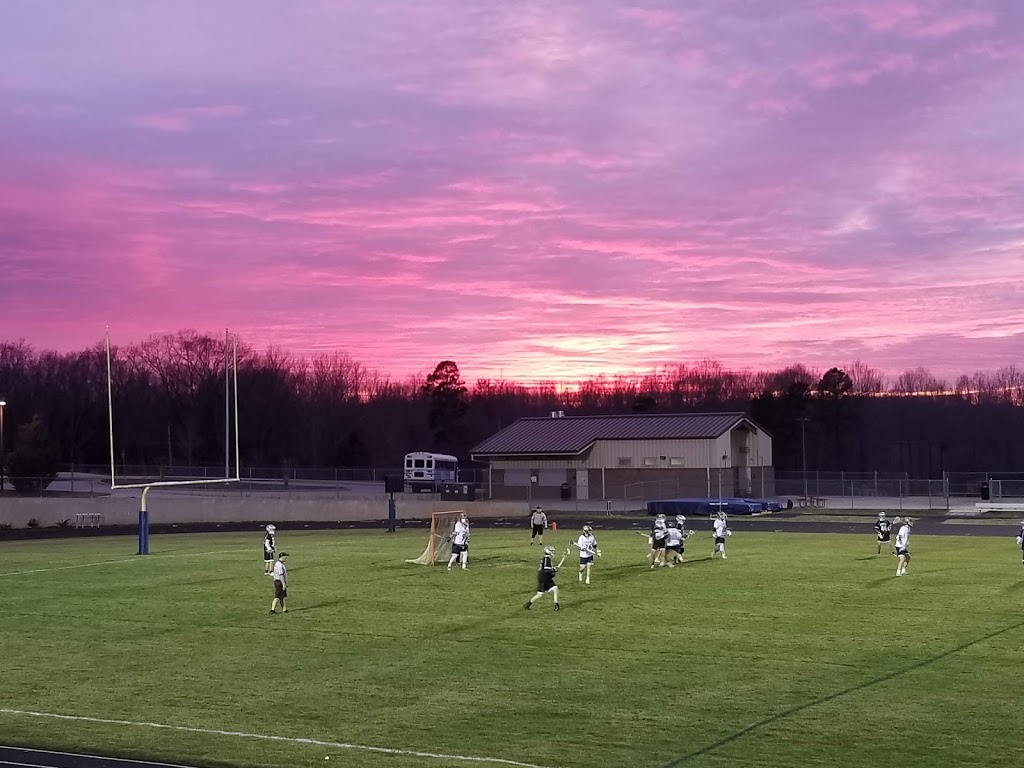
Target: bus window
column 418, row 463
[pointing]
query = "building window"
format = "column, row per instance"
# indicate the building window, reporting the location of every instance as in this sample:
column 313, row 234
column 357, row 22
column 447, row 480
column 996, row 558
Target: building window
column 676, row 462
column 650, row 461
column 625, row 461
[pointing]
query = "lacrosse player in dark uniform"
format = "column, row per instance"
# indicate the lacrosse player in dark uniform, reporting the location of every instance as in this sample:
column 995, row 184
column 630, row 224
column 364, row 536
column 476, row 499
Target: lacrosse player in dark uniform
column 883, row 529
column 1020, row 542
column 269, row 545
column 546, row 577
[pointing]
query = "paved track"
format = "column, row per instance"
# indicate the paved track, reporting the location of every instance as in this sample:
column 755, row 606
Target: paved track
column 37, row 758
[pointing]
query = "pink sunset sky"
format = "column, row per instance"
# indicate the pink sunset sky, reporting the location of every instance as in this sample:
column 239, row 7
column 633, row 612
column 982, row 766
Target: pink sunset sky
column 539, row 190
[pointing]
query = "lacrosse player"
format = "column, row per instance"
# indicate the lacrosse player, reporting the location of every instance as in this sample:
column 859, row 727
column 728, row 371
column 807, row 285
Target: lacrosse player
column 460, row 542
column 657, row 539
column 587, row 545
column 721, row 531
column 269, row 545
column 538, row 522
column 546, row 577
column 1020, row 542
column 883, row 529
column 676, row 545
column 903, row 547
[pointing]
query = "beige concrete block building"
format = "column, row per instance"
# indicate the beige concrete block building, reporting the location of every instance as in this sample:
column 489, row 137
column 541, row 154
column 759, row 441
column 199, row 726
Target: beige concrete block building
column 598, row 457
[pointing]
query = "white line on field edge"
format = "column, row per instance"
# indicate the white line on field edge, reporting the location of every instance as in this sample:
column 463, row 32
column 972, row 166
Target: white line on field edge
column 136, row 559
column 267, row 737
column 91, row 757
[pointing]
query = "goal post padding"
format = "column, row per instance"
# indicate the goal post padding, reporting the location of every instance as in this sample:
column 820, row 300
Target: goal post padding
column 439, row 545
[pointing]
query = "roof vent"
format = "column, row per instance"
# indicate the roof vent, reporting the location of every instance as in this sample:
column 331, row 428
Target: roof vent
column 561, row 414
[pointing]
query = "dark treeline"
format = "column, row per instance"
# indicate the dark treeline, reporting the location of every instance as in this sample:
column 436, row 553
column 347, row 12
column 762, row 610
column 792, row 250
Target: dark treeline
column 330, row 411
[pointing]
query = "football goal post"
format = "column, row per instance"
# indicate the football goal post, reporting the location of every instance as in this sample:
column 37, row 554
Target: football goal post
column 439, row 545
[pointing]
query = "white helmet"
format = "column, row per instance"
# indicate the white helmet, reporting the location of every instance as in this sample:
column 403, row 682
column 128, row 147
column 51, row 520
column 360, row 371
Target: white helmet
column 271, row 528
column 464, row 517
column 881, row 515
column 721, row 514
column 660, row 517
column 909, row 522
column 587, row 529
column 549, row 551
column 680, row 519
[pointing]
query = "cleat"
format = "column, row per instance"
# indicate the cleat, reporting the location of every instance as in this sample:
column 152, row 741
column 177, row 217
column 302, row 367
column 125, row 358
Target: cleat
column 273, row 612
column 556, row 607
column 527, row 606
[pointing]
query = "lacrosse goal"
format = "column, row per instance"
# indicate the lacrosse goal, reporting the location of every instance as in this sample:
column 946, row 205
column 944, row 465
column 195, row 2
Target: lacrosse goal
column 439, row 545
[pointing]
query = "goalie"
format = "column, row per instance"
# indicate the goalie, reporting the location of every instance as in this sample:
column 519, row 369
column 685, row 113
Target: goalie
column 460, row 542
column 587, row 545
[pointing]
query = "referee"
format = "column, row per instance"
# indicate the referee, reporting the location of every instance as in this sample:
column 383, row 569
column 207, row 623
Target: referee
column 280, row 584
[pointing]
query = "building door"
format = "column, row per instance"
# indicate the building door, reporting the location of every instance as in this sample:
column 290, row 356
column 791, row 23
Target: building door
column 582, row 487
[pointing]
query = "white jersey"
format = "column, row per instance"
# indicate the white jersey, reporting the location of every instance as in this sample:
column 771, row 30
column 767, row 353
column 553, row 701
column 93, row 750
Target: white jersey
column 660, row 531
column 720, row 529
column 675, row 537
column 460, row 534
column 539, row 518
column 903, row 537
column 587, row 545
column 280, row 572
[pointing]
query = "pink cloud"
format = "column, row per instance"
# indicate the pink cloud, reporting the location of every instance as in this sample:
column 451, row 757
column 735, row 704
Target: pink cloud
column 179, row 120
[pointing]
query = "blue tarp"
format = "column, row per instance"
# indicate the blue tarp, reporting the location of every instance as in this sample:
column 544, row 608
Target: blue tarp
column 700, row 506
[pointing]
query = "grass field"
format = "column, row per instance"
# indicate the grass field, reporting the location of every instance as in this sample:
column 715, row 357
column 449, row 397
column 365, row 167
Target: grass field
column 800, row 650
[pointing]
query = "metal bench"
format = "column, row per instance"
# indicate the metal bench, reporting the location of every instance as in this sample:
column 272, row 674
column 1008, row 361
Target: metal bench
column 999, row 506
column 88, row 520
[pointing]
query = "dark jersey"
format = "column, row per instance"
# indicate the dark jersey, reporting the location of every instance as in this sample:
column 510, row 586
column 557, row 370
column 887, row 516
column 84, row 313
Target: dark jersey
column 545, row 574
column 883, row 527
column 268, row 542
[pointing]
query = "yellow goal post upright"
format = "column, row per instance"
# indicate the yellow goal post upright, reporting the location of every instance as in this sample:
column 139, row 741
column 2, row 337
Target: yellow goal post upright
column 439, row 545
column 230, row 345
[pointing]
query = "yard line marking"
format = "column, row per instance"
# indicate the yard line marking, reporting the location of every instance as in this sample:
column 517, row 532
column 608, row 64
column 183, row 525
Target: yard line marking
column 93, row 757
column 268, row 737
column 136, row 559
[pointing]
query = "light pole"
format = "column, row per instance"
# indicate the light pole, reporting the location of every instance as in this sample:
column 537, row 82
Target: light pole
column 721, row 468
column 3, row 403
column 803, row 449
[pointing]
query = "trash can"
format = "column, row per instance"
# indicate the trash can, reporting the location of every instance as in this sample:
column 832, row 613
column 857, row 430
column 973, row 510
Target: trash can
column 986, row 492
column 566, row 491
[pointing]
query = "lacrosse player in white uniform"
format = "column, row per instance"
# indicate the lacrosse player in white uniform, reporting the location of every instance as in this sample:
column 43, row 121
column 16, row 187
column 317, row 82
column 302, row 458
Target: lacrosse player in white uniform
column 721, row 531
column 676, row 546
column 587, row 545
column 1020, row 542
column 460, row 542
column 659, row 532
column 903, row 547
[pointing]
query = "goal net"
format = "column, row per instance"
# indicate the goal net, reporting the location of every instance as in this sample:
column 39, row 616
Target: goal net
column 439, row 545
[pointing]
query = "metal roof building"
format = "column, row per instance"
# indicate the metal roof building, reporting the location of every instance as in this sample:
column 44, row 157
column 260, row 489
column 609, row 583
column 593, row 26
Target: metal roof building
column 589, row 457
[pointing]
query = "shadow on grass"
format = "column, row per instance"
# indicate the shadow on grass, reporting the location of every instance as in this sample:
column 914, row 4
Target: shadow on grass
column 887, row 677
column 316, row 606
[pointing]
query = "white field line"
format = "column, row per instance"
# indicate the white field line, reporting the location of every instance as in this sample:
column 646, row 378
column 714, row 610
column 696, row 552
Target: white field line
column 267, row 737
column 135, row 559
column 51, row 752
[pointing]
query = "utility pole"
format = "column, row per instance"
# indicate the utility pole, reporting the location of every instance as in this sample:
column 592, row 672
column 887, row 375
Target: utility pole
column 803, row 449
